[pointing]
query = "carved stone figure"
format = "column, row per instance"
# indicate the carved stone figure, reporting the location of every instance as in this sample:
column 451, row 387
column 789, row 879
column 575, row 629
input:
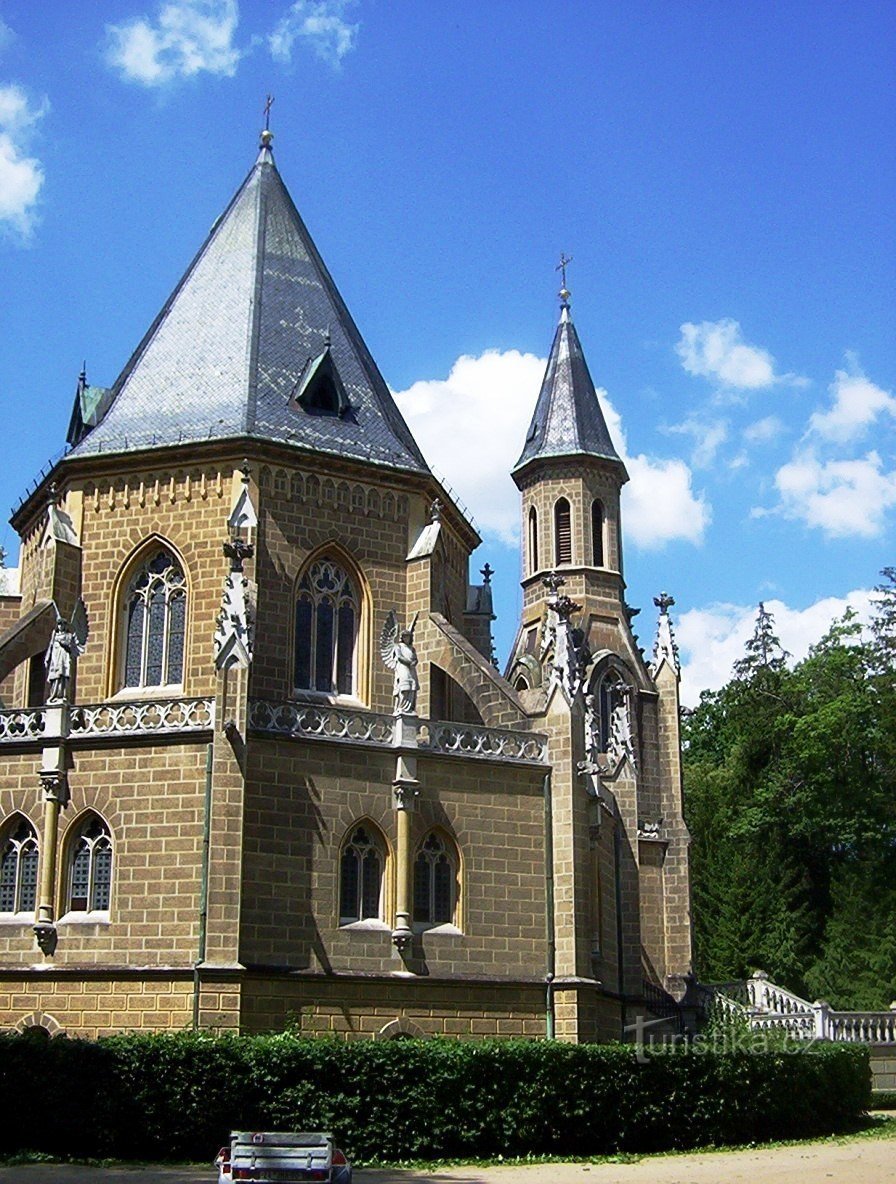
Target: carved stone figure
column 67, row 643
column 398, row 653
column 569, row 658
column 621, row 741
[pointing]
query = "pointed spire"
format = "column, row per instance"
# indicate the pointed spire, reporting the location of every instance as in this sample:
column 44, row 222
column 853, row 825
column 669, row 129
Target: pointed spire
column 568, row 420
column 665, row 648
column 255, row 313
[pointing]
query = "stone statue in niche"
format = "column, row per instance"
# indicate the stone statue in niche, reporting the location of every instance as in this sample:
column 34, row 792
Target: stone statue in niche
column 67, row 643
column 399, row 655
column 621, row 741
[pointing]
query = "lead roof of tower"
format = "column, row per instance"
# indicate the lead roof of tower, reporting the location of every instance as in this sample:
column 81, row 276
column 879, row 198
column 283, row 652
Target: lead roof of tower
column 225, row 356
column 568, row 419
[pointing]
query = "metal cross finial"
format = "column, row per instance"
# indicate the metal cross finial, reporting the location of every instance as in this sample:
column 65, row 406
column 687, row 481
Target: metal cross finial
column 664, row 601
column 268, row 103
column 487, row 572
column 565, row 260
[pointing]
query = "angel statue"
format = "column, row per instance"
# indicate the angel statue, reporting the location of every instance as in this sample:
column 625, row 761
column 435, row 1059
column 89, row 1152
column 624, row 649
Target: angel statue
column 67, row 643
column 397, row 649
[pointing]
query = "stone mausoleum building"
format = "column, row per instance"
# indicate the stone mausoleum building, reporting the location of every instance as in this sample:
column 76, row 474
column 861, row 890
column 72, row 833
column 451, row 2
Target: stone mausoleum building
column 257, row 767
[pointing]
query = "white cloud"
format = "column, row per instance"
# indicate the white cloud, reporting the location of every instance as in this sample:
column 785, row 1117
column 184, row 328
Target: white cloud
column 187, row 38
column 708, row 437
column 658, row 504
column 21, row 176
column 857, row 403
column 844, row 498
column 716, row 350
column 712, row 639
column 493, row 396
column 764, row 430
column 321, row 24
column 471, row 427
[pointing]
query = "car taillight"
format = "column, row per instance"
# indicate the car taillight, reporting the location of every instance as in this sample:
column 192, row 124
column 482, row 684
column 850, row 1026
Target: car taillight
column 339, row 1159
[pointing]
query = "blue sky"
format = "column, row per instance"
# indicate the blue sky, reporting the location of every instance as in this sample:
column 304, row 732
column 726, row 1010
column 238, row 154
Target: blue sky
column 722, row 174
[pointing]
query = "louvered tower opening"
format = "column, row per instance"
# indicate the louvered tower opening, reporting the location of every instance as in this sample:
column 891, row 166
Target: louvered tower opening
column 562, row 532
column 533, row 540
column 597, row 532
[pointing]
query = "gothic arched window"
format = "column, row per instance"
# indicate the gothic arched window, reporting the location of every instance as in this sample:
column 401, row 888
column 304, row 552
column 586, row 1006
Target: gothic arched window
column 435, row 881
column 562, row 532
column 533, row 540
column 361, row 877
column 90, row 867
column 18, row 868
column 327, row 619
column 155, row 608
column 597, row 532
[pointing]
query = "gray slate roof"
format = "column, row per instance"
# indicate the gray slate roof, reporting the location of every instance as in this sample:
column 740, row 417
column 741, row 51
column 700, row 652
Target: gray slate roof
column 223, row 356
column 567, row 419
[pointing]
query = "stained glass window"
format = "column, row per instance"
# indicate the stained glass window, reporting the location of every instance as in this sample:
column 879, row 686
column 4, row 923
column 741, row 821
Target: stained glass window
column 435, row 882
column 155, row 614
column 361, row 878
column 90, row 874
column 327, row 617
column 18, row 869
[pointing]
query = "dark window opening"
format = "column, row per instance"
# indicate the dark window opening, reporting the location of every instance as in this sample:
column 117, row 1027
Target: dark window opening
column 562, row 532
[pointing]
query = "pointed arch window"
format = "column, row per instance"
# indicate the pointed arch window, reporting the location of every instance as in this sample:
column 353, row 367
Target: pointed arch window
column 90, row 867
column 435, row 882
column 597, row 532
column 562, row 532
column 533, row 540
column 326, row 630
column 361, row 877
column 18, row 868
column 155, row 611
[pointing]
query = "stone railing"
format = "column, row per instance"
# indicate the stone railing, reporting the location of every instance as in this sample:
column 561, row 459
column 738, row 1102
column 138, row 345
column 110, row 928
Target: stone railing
column 765, row 996
column 351, row 725
column 144, row 717
column 767, row 1007
column 488, row 743
column 21, row 724
column 321, row 722
column 862, row 1027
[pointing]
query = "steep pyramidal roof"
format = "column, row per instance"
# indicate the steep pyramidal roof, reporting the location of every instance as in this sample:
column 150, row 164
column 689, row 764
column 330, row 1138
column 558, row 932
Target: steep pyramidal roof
column 232, row 351
column 568, row 419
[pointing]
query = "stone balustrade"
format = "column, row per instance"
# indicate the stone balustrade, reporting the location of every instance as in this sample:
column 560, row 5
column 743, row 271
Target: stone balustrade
column 139, row 717
column 22, row 724
column 312, row 721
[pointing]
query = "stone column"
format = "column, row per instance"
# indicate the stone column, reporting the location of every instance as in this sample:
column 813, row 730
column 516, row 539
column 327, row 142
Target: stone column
column 405, row 789
column 55, row 762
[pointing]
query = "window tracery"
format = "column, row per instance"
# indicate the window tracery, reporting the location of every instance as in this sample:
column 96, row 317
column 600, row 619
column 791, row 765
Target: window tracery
column 155, row 622
column 361, row 877
column 90, row 867
column 18, row 869
column 435, row 882
column 326, row 630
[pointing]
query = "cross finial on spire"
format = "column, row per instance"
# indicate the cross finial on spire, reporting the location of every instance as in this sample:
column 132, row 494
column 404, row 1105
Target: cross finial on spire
column 267, row 135
column 565, row 260
column 664, row 602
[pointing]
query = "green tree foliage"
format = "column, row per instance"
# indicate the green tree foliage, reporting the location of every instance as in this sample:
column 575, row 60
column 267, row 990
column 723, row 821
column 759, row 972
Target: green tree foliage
column 789, row 795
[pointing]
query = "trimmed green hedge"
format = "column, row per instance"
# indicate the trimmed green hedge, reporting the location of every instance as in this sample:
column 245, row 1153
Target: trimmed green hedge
column 178, row 1096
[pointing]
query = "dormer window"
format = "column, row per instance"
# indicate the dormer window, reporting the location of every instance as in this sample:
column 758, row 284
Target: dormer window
column 319, row 389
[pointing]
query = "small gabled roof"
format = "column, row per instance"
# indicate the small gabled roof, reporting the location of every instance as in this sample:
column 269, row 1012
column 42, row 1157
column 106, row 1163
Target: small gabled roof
column 568, row 420
column 255, row 313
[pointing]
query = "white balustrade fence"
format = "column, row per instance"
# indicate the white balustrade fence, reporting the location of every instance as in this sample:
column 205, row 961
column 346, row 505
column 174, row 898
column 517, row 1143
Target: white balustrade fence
column 321, row 722
column 21, row 724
